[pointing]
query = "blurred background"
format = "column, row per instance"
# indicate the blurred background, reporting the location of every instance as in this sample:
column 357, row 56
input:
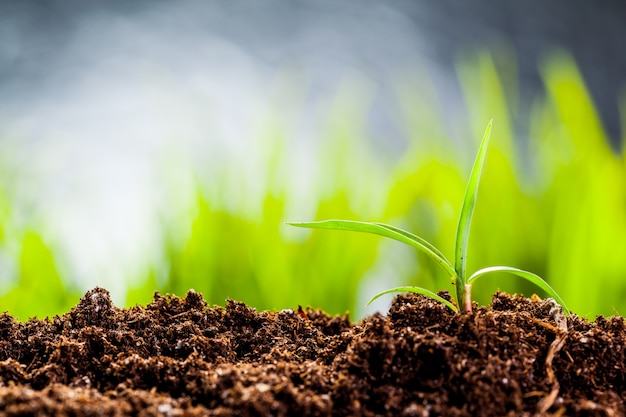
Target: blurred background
column 157, row 145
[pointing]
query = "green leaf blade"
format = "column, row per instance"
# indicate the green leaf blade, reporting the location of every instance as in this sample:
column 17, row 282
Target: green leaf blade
column 418, row 290
column 529, row 276
column 385, row 231
column 412, row 236
column 467, row 210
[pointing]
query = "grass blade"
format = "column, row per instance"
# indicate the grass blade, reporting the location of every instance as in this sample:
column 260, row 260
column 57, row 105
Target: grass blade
column 529, row 276
column 467, row 210
column 386, row 231
column 418, row 290
column 416, row 238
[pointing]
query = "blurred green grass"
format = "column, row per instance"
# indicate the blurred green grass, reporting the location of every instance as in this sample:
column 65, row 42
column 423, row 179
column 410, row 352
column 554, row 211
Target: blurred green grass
column 553, row 203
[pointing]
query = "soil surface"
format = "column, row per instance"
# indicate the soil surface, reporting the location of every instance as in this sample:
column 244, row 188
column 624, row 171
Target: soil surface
column 181, row 357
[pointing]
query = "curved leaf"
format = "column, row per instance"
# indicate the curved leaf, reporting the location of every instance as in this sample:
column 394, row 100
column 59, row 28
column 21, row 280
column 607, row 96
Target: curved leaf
column 386, row 231
column 535, row 279
column 416, row 238
column 418, row 290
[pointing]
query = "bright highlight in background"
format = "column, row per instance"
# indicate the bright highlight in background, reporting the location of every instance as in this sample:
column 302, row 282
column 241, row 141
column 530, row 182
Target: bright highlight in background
column 163, row 147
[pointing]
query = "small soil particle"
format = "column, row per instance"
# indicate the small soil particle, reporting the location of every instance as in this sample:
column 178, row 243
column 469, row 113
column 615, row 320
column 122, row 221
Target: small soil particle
column 181, row 357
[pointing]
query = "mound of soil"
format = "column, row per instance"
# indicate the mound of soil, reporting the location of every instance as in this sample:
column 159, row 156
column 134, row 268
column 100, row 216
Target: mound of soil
column 180, row 357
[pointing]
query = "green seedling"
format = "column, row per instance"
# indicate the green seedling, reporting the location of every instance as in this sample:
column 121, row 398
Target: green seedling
column 457, row 272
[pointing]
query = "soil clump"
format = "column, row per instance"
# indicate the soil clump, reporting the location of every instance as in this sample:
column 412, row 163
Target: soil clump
column 181, row 357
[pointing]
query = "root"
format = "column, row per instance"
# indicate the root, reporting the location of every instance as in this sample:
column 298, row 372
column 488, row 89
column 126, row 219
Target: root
column 557, row 344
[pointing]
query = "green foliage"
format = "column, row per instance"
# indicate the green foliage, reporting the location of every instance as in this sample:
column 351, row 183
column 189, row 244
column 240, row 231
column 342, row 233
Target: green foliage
column 40, row 290
column 457, row 273
column 230, row 244
column 554, row 191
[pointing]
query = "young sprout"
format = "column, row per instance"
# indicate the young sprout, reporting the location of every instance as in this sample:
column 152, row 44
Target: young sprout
column 457, row 272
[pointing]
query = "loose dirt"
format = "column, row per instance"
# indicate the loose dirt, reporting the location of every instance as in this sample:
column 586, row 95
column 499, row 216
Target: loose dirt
column 180, row 357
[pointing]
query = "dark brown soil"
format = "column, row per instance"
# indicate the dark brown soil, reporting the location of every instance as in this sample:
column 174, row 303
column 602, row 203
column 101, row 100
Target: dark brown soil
column 179, row 357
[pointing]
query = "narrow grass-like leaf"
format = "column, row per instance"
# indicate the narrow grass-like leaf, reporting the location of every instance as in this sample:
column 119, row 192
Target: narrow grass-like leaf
column 386, row 231
column 418, row 290
column 467, row 211
column 416, row 238
column 535, row 279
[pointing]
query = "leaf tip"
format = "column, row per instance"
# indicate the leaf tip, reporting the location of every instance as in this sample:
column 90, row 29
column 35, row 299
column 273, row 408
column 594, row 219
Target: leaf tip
column 296, row 224
column 374, row 298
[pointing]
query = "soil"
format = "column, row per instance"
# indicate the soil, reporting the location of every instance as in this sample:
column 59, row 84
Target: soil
column 181, row 357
